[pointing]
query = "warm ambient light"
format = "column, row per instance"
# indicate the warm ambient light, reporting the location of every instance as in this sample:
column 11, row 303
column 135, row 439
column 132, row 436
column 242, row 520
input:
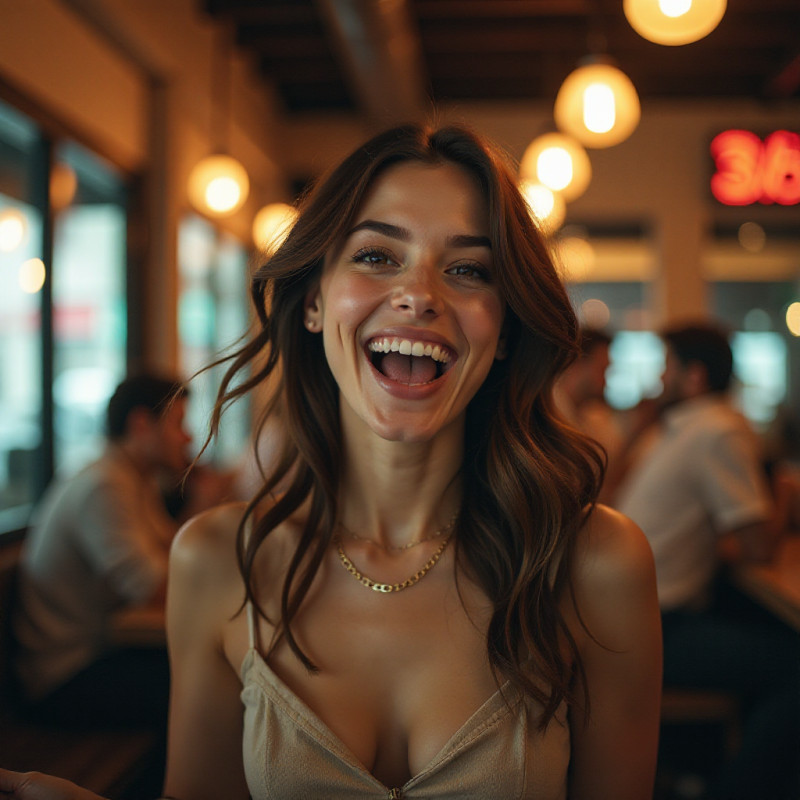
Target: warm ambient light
column 63, row 186
column 547, row 207
column 597, row 104
column 793, row 319
column 218, row 185
column 674, row 22
column 31, row 275
column 13, row 226
column 559, row 162
column 272, row 225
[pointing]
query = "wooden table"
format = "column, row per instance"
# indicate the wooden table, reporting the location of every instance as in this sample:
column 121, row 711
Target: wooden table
column 776, row 586
column 143, row 626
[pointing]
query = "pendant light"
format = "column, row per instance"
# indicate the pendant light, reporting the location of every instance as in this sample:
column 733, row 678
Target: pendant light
column 272, row 225
column 674, row 22
column 218, row 184
column 547, row 207
column 559, row 162
column 597, row 104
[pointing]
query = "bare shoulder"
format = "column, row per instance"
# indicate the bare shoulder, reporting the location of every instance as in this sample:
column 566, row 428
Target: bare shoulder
column 206, row 544
column 611, row 548
column 613, row 571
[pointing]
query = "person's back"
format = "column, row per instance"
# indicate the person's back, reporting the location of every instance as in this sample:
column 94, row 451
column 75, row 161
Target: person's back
column 82, row 560
column 99, row 541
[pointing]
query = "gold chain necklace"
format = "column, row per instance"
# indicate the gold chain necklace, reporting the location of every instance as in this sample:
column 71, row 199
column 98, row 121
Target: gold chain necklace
column 435, row 535
column 385, row 588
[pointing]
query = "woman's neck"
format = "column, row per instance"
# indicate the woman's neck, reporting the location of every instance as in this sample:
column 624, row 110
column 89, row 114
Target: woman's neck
column 394, row 493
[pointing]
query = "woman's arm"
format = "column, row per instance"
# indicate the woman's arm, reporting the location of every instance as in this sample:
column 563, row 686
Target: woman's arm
column 615, row 747
column 204, row 758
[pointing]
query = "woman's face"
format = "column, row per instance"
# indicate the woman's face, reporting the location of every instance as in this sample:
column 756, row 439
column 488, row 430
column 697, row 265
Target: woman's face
column 407, row 305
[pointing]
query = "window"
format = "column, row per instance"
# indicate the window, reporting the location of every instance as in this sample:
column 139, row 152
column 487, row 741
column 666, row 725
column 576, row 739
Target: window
column 89, row 308
column 63, row 312
column 21, row 279
column 212, row 315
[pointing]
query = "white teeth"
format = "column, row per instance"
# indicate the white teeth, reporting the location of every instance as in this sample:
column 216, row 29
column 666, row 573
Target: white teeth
column 408, row 348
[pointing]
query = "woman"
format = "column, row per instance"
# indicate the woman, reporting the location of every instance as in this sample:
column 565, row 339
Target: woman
column 435, row 607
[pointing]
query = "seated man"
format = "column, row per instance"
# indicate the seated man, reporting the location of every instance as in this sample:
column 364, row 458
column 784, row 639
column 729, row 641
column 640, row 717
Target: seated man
column 699, row 494
column 99, row 542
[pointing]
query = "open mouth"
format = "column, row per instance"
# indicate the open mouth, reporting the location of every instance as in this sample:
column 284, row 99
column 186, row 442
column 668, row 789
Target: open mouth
column 410, row 362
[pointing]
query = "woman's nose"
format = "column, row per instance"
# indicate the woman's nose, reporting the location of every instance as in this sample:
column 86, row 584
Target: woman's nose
column 417, row 295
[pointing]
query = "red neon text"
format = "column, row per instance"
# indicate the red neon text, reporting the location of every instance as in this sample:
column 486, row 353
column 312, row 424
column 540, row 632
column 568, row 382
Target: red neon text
column 751, row 171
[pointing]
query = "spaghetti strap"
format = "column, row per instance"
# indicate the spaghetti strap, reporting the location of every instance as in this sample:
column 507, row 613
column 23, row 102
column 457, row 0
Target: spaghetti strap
column 252, row 616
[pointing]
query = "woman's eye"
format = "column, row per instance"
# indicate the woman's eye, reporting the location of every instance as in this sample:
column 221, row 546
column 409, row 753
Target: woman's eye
column 475, row 271
column 373, row 256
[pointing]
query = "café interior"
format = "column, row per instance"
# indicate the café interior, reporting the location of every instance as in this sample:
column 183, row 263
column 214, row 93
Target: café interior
column 115, row 256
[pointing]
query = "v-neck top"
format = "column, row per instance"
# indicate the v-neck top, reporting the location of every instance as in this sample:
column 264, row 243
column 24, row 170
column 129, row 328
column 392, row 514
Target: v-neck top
column 499, row 752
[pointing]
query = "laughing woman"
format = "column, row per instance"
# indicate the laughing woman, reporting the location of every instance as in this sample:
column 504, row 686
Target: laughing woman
column 435, row 607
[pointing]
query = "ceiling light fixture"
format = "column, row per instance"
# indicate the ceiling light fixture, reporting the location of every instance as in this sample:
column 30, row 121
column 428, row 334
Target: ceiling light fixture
column 674, row 22
column 218, row 184
column 272, row 225
column 597, row 104
column 559, row 162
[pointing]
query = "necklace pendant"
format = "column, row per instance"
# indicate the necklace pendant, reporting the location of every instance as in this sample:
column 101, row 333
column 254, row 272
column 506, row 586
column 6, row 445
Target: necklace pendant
column 383, row 588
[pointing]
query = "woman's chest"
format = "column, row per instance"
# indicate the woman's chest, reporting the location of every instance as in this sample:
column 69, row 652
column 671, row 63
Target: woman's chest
column 397, row 676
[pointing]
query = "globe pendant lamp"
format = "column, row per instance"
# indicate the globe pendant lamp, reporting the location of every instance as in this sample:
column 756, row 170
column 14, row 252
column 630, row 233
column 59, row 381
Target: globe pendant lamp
column 674, row 22
column 272, row 225
column 218, row 184
column 547, row 208
column 597, row 104
column 559, row 162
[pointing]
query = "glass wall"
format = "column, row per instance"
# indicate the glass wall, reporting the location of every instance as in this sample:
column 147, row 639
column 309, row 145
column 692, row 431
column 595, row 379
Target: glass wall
column 89, row 308
column 62, row 307
column 212, row 315
column 21, row 281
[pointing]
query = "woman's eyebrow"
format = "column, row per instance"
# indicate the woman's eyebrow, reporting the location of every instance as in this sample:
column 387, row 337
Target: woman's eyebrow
column 404, row 235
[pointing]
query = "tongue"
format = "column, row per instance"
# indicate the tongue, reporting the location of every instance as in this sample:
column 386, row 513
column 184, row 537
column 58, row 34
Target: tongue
column 408, row 369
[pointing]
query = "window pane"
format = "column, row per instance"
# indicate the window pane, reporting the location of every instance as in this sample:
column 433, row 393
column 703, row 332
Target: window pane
column 89, row 310
column 212, row 315
column 21, row 276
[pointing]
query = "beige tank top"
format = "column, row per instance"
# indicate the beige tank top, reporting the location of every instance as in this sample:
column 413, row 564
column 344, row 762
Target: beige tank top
column 497, row 754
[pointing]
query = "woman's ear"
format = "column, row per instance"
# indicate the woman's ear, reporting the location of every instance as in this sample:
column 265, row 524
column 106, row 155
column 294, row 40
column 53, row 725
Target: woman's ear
column 312, row 310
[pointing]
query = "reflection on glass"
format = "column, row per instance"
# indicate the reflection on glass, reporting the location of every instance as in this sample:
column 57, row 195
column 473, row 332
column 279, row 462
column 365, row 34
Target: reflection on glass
column 20, row 339
column 89, row 304
column 212, row 315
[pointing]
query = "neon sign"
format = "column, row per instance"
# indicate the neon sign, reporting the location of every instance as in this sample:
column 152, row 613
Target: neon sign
column 750, row 170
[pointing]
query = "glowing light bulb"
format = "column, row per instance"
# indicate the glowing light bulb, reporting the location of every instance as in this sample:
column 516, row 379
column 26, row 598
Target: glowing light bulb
column 31, row 275
column 674, row 8
column 793, row 318
column 12, row 229
column 599, row 108
column 554, row 168
column 272, row 225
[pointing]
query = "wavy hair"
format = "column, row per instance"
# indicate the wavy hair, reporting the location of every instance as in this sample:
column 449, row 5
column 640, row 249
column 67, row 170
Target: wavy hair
column 528, row 479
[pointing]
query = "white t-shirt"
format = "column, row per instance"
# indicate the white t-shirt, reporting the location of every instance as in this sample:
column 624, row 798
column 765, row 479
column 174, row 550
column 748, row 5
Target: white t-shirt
column 98, row 542
column 700, row 477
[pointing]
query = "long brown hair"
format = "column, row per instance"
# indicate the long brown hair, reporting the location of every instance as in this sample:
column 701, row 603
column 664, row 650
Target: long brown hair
column 527, row 478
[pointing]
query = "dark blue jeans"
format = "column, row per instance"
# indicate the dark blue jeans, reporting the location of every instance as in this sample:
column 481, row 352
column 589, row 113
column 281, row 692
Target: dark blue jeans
column 746, row 652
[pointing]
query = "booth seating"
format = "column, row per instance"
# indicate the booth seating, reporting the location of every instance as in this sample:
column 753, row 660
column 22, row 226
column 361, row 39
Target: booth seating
column 701, row 707
column 109, row 762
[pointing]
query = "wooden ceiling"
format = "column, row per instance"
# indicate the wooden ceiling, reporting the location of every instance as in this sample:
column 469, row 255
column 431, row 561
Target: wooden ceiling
column 391, row 59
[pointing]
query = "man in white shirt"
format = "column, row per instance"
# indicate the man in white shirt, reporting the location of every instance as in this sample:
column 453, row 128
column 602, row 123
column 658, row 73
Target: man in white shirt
column 98, row 543
column 699, row 494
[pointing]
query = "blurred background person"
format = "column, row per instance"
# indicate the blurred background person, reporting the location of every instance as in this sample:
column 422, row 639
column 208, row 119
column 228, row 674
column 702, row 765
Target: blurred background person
column 699, row 493
column 98, row 543
column 580, row 396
